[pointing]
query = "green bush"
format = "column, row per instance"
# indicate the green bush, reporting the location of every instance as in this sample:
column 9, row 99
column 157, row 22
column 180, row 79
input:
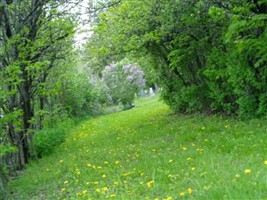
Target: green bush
column 47, row 139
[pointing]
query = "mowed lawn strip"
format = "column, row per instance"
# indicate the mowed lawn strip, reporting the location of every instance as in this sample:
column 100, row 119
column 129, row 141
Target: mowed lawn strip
column 149, row 153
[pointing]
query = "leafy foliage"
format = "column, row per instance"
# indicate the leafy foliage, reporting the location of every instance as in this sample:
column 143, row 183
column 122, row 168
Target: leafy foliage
column 39, row 78
column 49, row 138
column 210, row 55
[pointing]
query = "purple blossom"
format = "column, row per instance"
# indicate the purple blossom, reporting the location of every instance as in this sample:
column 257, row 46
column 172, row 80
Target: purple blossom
column 129, row 78
column 123, row 82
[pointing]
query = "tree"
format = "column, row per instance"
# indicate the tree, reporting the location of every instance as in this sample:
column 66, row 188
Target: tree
column 123, row 82
column 34, row 36
column 204, row 50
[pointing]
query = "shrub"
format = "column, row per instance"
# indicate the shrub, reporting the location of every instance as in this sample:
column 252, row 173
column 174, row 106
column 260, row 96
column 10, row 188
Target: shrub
column 47, row 139
column 123, row 82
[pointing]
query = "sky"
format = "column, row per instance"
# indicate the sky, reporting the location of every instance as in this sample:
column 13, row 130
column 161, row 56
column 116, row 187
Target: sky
column 83, row 32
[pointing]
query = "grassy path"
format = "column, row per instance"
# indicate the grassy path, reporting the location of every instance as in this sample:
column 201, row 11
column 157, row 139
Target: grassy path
column 147, row 153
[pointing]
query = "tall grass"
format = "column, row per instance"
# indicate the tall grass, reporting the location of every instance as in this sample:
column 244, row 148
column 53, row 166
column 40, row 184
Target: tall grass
column 149, row 153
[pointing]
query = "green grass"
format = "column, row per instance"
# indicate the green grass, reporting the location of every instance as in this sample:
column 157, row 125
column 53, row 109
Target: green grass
column 148, row 153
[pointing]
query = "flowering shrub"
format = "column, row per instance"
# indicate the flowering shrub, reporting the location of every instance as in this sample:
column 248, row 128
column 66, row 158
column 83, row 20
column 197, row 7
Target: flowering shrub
column 122, row 82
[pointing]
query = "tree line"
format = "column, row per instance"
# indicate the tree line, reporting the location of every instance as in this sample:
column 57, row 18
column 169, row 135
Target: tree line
column 41, row 81
column 208, row 55
column 46, row 82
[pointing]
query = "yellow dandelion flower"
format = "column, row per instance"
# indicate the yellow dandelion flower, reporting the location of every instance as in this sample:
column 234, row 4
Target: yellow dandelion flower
column 189, row 190
column 265, row 162
column 247, row 171
column 63, row 189
column 117, row 162
column 89, row 165
column 104, row 176
column 66, row 182
column 150, row 184
column 97, row 190
column 87, row 183
column 127, row 173
column 116, row 183
column 112, row 195
column 84, row 192
column 193, row 168
column 61, row 161
column 104, row 189
column 106, row 162
column 170, row 161
column 95, row 183
column 181, row 193
column 169, row 198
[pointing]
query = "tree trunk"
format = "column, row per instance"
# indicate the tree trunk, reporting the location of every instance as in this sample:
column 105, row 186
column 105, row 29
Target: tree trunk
column 27, row 109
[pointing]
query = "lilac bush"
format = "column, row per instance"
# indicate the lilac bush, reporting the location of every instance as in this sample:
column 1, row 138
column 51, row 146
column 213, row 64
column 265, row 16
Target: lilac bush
column 123, row 82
